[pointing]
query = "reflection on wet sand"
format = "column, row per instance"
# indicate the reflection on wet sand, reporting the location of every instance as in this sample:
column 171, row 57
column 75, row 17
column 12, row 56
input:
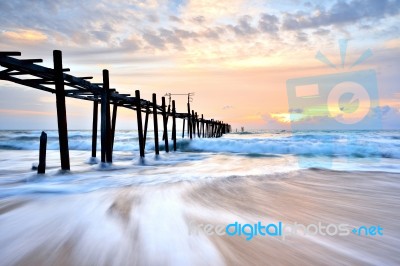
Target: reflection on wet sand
column 150, row 225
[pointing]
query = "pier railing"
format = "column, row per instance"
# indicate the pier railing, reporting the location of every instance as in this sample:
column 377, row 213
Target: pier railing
column 54, row 80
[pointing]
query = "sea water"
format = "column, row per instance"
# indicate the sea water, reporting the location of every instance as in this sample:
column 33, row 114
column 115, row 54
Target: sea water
column 139, row 211
column 237, row 154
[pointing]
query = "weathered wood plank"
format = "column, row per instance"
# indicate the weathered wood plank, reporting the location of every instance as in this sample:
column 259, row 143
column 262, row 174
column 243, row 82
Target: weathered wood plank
column 139, row 123
column 61, row 111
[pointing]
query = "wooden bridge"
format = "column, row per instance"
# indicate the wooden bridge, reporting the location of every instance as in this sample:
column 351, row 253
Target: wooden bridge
column 54, row 80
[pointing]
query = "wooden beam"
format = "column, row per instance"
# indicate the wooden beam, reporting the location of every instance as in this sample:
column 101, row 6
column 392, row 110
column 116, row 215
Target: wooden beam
column 61, row 110
column 156, row 146
column 173, row 124
column 165, row 124
column 113, row 126
column 42, row 153
column 12, row 53
column 183, row 129
column 197, row 124
column 193, row 124
column 139, row 123
column 32, row 61
column 202, row 125
column 146, row 122
column 189, row 122
column 106, row 155
column 94, row 127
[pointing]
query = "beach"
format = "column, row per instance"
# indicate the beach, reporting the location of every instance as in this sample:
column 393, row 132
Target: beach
column 170, row 210
column 151, row 225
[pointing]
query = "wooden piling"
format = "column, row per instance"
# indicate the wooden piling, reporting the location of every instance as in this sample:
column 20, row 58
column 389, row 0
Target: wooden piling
column 114, row 122
column 193, row 124
column 94, row 127
column 197, row 124
column 202, row 125
column 106, row 154
column 139, row 122
column 168, row 112
column 156, row 147
column 174, row 124
column 189, row 122
column 146, row 122
column 42, row 153
column 165, row 124
column 61, row 110
column 183, row 129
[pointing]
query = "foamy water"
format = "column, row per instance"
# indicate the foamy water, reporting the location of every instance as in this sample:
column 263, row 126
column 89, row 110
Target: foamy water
column 139, row 212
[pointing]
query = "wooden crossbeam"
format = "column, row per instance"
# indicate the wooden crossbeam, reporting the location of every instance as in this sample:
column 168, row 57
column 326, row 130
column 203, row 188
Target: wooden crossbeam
column 32, row 61
column 10, row 53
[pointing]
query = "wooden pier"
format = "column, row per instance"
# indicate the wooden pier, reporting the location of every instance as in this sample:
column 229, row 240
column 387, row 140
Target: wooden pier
column 54, row 80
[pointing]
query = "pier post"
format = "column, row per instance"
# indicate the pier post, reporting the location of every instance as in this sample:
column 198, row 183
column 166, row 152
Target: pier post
column 165, row 124
column 183, row 130
column 193, row 124
column 146, row 122
column 94, row 126
column 156, row 147
column 174, row 124
column 168, row 112
column 61, row 110
column 106, row 155
column 189, row 122
column 197, row 124
column 139, row 122
column 42, row 153
column 114, row 122
column 202, row 125
column 212, row 128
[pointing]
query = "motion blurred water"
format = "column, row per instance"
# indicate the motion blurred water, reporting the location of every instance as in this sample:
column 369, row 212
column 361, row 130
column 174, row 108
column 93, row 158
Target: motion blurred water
column 137, row 212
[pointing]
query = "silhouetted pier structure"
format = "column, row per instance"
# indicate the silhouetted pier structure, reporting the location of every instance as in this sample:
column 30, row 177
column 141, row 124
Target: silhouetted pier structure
column 54, row 80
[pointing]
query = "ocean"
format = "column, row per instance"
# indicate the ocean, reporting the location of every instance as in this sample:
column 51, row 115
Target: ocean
column 142, row 211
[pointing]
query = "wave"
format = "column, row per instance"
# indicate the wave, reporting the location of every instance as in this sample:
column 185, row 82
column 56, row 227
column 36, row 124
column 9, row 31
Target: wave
column 307, row 144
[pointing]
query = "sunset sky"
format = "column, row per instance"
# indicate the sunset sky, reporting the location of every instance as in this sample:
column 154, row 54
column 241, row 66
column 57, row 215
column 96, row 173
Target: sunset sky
column 237, row 56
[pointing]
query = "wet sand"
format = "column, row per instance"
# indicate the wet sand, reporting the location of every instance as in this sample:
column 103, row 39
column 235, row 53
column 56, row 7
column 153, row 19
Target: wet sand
column 153, row 225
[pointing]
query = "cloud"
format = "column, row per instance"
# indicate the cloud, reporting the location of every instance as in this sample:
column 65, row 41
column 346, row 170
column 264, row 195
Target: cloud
column 340, row 13
column 226, row 107
column 244, row 27
column 322, row 32
column 268, row 24
column 24, row 35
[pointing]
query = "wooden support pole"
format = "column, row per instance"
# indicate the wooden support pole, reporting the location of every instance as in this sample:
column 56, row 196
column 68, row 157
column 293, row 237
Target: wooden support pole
column 114, row 122
column 94, row 127
column 193, row 124
column 202, row 125
column 165, row 122
column 212, row 128
column 139, row 122
column 174, row 124
column 156, row 147
column 146, row 122
column 189, row 121
column 183, row 130
column 42, row 153
column 106, row 154
column 197, row 124
column 168, row 112
column 61, row 110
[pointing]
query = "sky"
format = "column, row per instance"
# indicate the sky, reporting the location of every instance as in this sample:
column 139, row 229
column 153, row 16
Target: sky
column 242, row 59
